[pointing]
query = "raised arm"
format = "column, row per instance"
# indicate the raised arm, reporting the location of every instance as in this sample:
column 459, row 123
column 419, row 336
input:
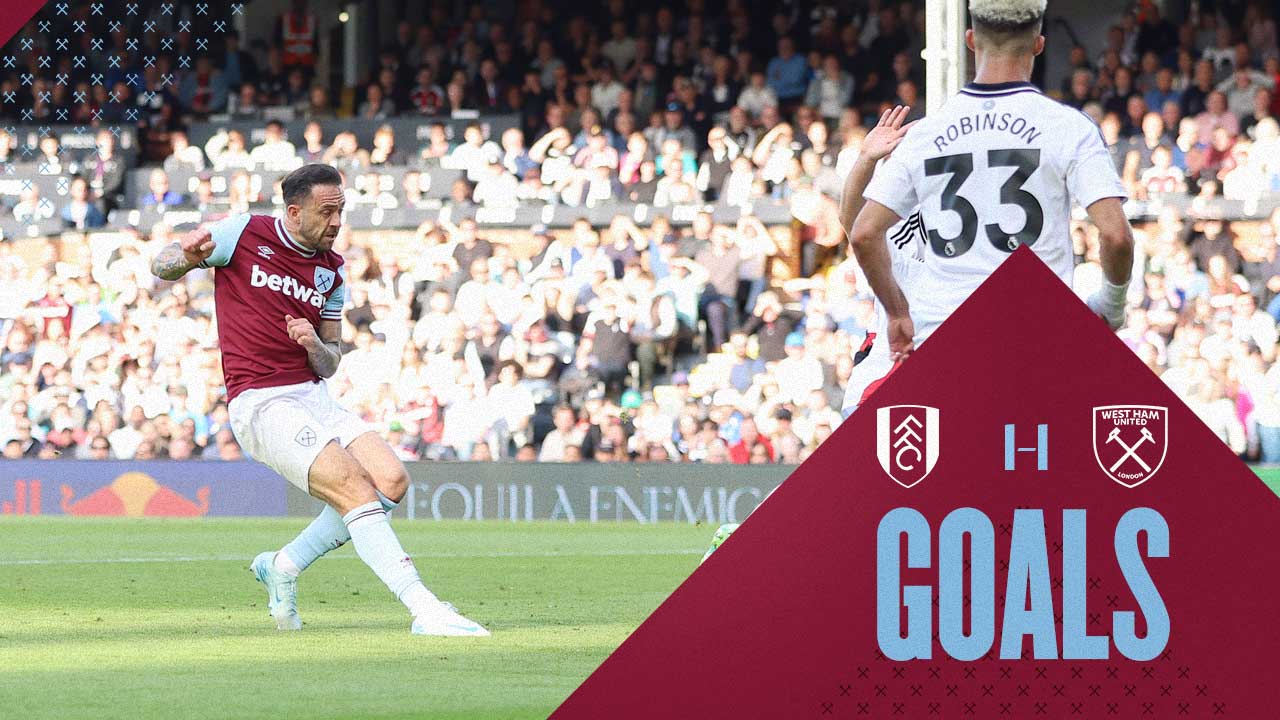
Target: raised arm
column 178, row 258
column 538, row 151
column 445, row 220
column 764, row 147
column 210, row 246
column 881, row 141
column 867, row 221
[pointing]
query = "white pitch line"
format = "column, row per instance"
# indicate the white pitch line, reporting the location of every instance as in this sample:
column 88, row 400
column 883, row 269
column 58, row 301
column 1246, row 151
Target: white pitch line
column 246, row 558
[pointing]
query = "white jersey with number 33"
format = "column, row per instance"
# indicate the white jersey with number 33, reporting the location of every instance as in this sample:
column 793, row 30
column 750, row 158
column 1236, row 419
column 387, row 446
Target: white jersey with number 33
column 996, row 167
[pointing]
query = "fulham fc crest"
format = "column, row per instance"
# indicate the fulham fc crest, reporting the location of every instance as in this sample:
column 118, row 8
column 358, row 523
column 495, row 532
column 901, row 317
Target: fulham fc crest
column 907, row 442
column 324, row 280
column 1129, row 441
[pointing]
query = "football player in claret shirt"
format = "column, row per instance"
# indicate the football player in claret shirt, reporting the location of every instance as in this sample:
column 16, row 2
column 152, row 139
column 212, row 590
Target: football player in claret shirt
column 279, row 290
column 995, row 168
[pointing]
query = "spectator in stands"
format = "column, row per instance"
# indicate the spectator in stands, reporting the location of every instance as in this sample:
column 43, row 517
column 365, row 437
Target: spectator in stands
column 758, row 95
column 497, row 187
column 1260, row 110
column 318, row 105
column 788, row 72
column 438, row 146
column 6, row 146
column 542, row 293
column 1217, row 115
column 475, row 153
column 237, row 65
column 185, row 156
column 81, row 212
column 204, row 91
column 752, row 447
column 376, row 105
column 674, row 188
column 1138, row 159
column 105, row 171
column 565, row 434
column 244, row 104
column 515, row 157
column 313, row 143
column 771, row 324
column 831, row 89
column 345, row 153
column 1242, row 87
column 1162, row 91
column 489, row 92
column 276, row 153
column 32, row 207
column 384, row 150
column 1162, row 177
column 159, row 195
column 226, row 150
column 722, row 260
column 49, row 159
column 426, row 96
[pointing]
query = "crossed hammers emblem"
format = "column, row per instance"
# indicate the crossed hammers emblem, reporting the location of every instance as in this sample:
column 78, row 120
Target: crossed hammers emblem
column 1130, row 451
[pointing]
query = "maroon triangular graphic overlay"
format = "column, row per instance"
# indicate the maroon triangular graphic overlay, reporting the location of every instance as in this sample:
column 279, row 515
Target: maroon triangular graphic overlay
column 781, row 622
column 16, row 14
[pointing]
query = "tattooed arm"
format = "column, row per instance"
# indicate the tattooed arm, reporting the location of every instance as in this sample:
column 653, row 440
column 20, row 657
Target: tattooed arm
column 178, row 258
column 324, row 349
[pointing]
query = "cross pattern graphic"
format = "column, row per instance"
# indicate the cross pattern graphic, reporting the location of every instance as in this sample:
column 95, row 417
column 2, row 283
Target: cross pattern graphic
column 991, row 687
column 1017, row 690
column 45, row 34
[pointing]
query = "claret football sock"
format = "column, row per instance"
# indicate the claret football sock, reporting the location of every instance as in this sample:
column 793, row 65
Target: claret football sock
column 377, row 545
column 327, row 532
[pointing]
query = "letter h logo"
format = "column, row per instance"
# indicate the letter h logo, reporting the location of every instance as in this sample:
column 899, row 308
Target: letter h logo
column 1041, row 448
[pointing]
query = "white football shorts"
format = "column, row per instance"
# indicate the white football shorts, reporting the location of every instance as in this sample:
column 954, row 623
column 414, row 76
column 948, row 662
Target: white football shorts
column 286, row 427
column 874, row 368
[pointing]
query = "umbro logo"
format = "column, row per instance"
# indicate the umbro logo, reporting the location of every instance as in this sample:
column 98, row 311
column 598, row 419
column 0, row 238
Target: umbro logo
column 265, row 252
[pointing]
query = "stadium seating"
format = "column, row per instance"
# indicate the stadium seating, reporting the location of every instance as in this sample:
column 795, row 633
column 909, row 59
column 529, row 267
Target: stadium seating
column 593, row 179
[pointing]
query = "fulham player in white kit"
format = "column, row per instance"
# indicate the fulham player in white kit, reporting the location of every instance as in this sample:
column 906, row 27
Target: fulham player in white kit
column 279, row 290
column 881, row 141
column 996, row 167
column 872, row 362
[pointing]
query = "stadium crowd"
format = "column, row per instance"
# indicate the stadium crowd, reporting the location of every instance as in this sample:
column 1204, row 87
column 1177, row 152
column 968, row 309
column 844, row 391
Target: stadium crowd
column 617, row 343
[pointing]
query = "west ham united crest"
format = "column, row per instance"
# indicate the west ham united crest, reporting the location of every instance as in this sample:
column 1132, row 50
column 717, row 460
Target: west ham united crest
column 1129, row 441
column 907, row 442
column 323, row 279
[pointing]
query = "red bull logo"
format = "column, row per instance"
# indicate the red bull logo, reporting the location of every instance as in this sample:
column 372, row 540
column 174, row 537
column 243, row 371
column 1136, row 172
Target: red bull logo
column 135, row 494
column 26, row 499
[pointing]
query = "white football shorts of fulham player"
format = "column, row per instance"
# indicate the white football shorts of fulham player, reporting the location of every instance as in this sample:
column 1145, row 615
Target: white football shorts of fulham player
column 998, row 166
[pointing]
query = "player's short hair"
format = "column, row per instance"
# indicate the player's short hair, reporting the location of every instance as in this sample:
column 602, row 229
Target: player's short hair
column 1007, row 25
column 297, row 185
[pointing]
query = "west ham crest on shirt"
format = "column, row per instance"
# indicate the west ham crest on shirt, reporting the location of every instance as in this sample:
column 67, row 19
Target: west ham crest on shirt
column 1129, row 441
column 907, row 442
column 323, row 279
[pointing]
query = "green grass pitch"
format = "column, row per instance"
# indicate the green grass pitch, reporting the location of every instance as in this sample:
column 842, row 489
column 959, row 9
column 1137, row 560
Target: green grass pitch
column 141, row 619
